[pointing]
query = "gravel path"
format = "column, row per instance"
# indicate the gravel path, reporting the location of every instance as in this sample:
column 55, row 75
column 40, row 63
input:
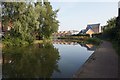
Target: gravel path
column 102, row 64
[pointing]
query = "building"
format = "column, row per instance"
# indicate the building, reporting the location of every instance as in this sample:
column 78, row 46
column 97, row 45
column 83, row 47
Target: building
column 90, row 32
column 64, row 33
column 94, row 27
column 91, row 29
column 74, row 32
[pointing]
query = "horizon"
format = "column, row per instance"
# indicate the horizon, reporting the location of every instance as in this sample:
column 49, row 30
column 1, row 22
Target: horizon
column 77, row 15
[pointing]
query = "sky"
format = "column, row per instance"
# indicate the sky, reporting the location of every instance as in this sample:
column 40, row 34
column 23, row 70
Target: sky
column 75, row 15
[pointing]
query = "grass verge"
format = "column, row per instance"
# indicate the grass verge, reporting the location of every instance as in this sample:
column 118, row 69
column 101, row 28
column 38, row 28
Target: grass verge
column 116, row 46
column 95, row 41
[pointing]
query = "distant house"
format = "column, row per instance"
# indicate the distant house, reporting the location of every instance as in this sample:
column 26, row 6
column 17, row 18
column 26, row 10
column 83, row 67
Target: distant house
column 83, row 31
column 64, row 33
column 90, row 32
column 74, row 32
column 91, row 29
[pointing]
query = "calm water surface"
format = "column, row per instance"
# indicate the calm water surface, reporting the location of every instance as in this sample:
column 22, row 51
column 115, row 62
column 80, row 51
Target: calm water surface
column 59, row 59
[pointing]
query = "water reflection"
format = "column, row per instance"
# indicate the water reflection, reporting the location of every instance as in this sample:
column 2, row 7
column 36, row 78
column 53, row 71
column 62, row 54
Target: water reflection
column 73, row 55
column 36, row 61
column 59, row 59
column 90, row 47
column 64, row 42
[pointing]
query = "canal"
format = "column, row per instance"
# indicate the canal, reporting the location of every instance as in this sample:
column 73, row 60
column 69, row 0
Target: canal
column 59, row 59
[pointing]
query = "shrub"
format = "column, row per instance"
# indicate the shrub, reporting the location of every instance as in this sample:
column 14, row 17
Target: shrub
column 11, row 41
column 96, row 41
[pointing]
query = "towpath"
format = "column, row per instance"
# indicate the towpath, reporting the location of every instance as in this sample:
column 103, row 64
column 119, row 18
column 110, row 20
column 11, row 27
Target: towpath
column 103, row 63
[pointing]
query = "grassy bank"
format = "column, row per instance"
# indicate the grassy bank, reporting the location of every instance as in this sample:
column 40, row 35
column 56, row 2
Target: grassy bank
column 19, row 42
column 84, row 38
column 42, row 41
column 14, row 42
column 75, row 37
column 95, row 41
column 116, row 46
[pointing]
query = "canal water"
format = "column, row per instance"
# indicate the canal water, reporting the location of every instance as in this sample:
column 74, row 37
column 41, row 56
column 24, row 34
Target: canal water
column 59, row 59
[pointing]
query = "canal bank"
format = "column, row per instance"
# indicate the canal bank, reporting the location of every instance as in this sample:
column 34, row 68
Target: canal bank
column 103, row 63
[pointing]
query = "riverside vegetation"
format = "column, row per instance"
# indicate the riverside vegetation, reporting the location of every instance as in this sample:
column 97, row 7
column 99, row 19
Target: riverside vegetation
column 27, row 21
column 112, row 32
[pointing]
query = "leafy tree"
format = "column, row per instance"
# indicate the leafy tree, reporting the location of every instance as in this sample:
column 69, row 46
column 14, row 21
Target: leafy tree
column 110, row 28
column 118, row 29
column 111, row 23
column 29, row 19
column 49, row 22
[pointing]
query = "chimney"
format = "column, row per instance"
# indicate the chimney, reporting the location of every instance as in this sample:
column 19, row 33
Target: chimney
column 119, row 8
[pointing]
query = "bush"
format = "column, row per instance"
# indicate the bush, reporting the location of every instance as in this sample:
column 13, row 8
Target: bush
column 95, row 41
column 97, row 35
column 11, row 41
column 116, row 46
column 86, row 35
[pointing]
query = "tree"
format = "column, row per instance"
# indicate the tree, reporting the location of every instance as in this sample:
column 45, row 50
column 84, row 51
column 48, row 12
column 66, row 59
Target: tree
column 49, row 22
column 118, row 29
column 29, row 19
column 110, row 28
column 111, row 23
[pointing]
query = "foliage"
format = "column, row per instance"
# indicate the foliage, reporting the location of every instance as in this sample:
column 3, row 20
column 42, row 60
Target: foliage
column 118, row 29
column 28, row 20
column 111, row 23
column 112, row 32
column 81, row 35
column 8, row 41
column 75, row 36
column 97, row 35
column 38, row 60
column 96, row 41
column 49, row 22
column 110, row 28
column 116, row 46
column 116, row 40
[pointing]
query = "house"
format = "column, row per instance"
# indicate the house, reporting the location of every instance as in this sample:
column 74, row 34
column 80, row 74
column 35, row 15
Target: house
column 90, row 32
column 94, row 27
column 83, row 31
column 91, row 29
column 74, row 32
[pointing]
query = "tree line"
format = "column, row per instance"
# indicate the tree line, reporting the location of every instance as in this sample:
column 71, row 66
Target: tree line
column 28, row 20
column 112, row 29
column 112, row 32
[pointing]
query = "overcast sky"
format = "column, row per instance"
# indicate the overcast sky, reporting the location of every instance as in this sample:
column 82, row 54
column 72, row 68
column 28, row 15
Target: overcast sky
column 76, row 15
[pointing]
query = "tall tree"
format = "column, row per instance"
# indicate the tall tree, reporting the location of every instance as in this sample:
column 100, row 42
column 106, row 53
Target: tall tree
column 110, row 28
column 49, row 21
column 28, row 19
